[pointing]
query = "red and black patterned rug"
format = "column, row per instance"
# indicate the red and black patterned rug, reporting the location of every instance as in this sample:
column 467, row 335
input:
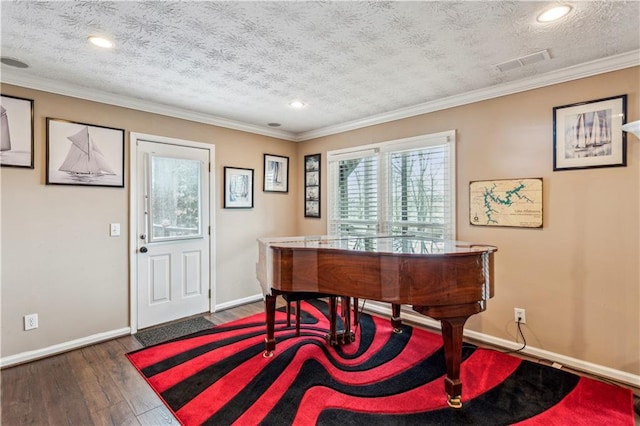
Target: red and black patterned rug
column 219, row 377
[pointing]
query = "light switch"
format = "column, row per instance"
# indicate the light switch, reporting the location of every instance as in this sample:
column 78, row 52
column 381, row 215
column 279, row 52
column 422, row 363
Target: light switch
column 115, row 230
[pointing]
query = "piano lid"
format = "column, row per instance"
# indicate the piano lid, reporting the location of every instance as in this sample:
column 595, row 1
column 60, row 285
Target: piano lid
column 396, row 244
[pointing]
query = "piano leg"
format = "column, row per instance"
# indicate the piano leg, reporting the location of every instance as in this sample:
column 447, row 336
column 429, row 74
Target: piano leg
column 288, row 313
column 452, row 329
column 270, row 340
column 333, row 322
column 356, row 312
column 346, row 313
column 396, row 321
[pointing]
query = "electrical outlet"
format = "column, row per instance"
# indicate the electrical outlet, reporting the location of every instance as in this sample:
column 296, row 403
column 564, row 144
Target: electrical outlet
column 519, row 315
column 30, row 322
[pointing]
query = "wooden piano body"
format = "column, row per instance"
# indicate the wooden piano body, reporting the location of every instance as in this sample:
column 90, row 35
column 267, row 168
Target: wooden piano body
column 445, row 280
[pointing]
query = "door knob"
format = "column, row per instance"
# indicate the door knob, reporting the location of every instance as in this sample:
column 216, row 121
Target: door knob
column 143, row 249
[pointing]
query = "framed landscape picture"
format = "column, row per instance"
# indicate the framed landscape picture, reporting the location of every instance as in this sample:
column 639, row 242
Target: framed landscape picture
column 589, row 134
column 16, row 143
column 84, row 154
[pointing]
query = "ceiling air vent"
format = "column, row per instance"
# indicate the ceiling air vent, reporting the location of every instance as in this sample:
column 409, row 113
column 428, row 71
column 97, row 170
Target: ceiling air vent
column 522, row 61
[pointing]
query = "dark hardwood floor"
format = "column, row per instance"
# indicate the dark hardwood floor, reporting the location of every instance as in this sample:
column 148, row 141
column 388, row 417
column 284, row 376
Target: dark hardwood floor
column 94, row 385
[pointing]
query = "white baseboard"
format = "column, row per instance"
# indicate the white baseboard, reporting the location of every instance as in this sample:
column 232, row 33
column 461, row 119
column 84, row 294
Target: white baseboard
column 567, row 361
column 589, row 367
column 237, row 302
column 97, row 338
column 62, row 347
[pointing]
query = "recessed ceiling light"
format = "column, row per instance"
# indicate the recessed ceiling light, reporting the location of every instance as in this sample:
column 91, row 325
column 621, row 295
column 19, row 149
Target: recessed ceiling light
column 554, row 13
column 274, row 124
column 297, row 104
column 101, row 42
column 13, row 62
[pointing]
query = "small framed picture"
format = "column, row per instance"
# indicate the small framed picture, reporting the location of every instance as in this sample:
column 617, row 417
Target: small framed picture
column 16, row 125
column 276, row 173
column 589, row 134
column 84, row 154
column 312, row 185
column 238, row 188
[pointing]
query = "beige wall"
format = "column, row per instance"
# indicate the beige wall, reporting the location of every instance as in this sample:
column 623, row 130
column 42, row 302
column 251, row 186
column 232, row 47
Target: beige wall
column 578, row 278
column 58, row 259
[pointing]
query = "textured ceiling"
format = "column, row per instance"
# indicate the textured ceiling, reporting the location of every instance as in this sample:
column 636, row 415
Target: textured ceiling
column 245, row 61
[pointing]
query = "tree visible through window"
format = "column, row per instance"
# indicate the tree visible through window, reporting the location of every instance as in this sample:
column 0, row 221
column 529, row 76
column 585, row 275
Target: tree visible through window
column 399, row 187
column 175, row 198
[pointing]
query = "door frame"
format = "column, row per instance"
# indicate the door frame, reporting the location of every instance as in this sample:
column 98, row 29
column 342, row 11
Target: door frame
column 134, row 137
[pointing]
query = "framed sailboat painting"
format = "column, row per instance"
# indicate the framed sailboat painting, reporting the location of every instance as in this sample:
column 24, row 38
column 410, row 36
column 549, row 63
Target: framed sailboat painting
column 84, row 154
column 16, row 126
column 238, row 188
column 589, row 134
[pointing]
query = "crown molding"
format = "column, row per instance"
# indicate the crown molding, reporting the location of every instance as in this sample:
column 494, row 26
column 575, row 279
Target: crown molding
column 10, row 76
column 600, row 66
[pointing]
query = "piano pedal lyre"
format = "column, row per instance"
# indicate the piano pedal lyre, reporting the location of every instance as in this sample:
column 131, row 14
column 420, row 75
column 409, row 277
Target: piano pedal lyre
column 340, row 338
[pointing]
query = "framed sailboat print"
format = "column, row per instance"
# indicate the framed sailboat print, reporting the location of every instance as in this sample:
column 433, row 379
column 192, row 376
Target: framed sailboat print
column 84, row 154
column 276, row 173
column 238, row 188
column 589, row 134
column 16, row 144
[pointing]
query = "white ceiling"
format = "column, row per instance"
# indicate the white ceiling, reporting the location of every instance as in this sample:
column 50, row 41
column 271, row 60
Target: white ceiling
column 239, row 64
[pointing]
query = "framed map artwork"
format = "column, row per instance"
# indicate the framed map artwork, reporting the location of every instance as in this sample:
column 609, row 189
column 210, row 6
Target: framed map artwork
column 506, row 202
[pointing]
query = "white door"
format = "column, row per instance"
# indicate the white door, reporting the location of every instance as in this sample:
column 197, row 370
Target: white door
column 172, row 232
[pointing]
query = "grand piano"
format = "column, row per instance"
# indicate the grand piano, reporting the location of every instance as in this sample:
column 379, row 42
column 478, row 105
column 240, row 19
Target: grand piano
column 445, row 280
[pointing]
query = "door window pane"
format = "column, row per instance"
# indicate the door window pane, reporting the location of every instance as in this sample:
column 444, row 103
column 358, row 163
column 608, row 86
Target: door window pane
column 175, row 203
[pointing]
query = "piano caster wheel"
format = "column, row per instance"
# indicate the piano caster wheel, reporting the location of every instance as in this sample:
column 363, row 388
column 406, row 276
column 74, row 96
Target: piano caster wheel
column 455, row 402
column 397, row 330
column 267, row 354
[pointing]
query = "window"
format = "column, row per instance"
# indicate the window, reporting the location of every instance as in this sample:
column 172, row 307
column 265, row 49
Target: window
column 175, row 199
column 399, row 187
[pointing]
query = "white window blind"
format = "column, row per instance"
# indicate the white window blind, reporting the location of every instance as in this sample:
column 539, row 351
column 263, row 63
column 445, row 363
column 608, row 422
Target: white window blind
column 398, row 187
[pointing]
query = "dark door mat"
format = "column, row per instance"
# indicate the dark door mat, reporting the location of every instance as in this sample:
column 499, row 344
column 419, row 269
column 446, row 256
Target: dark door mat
column 161, row 334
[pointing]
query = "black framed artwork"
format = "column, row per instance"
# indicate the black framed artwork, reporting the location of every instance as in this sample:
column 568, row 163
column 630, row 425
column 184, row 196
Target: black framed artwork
column 84, row 154
column 17, row 141
column 589, row 134
column 276, row 173
column 238, row 188
column 312, row 185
